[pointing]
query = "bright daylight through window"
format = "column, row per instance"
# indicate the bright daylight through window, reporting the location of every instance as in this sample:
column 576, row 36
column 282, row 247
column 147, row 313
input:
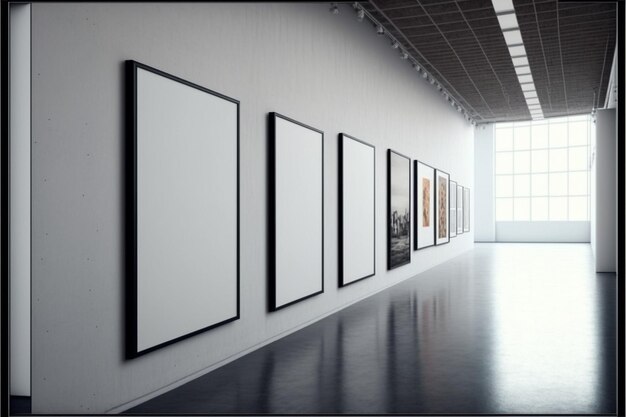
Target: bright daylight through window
column 542, row 169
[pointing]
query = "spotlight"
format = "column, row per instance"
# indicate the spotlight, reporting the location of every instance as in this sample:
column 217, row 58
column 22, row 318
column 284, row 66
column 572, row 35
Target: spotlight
column 432, row 81
column 380, row 30
column 417, row 67
column 438, row 87
column 445, row 95
column 452, row 103
column 425, row 75
column 395, row 45
column 459, row 109
column 360, row 15
column 404, row 55
column 334, row 9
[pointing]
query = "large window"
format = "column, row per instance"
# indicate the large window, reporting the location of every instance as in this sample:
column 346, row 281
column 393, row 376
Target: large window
column 542, row 170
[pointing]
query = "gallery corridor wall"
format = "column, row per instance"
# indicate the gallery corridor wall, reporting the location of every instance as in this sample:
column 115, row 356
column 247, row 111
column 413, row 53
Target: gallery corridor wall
column 329, row 71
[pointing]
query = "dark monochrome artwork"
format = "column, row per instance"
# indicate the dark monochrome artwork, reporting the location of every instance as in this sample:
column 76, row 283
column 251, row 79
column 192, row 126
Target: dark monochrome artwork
column 466, row 209
column 398, row 208
column 453, row 208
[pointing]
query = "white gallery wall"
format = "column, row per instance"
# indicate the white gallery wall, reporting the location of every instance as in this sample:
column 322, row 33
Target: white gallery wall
column 603, row 192
column 484, row 202
column 328, row 71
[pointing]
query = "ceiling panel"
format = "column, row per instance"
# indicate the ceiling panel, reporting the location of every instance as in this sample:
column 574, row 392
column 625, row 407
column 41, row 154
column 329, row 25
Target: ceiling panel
column 569, row 45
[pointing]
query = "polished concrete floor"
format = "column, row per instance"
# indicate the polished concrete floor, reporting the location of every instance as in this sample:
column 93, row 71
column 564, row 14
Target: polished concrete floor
column 505, row 328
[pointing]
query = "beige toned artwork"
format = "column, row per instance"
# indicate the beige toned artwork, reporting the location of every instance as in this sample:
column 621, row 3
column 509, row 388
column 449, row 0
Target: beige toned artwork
column 426, row 202
column 442, row 207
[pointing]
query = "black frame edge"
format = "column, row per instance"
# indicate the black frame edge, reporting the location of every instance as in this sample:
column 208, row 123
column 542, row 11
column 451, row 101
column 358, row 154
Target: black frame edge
column 5, row 151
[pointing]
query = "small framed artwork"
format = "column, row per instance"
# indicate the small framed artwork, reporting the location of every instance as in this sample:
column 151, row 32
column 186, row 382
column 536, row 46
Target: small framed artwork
column 453, row 229
column 296, row 212
column 442, row 207
column 182, row 197
column 357, row 204
column 423, row 205
column 459, row 210
column 398, row 209
column 466, row 209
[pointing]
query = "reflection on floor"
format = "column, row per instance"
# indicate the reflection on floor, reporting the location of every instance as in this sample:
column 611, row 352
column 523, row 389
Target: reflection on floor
column 505, row 328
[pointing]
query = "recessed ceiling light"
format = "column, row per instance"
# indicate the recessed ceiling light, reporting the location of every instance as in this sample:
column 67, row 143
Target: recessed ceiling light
column 507, row 21
column 528, row 87
column 519, row 61
column 532, row 101
column 526, row 78
column 530, row 94
column 522, row 70
column 517, row 50
column 512, row 37
column 501, row 6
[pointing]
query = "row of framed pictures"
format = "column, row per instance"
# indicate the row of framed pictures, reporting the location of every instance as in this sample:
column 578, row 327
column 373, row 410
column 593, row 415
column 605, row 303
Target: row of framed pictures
column 441, row 208
column 182, row 211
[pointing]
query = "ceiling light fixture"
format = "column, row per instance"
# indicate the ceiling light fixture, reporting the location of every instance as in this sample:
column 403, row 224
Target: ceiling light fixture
column 334, row 9
column 507, row 19
column 360, row 15
column 404, row 55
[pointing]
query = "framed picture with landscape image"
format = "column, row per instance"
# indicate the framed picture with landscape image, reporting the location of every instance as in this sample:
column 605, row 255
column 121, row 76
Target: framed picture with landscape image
column 442, row 207
column 453, row 230
column 398, row 209
column 424, row 205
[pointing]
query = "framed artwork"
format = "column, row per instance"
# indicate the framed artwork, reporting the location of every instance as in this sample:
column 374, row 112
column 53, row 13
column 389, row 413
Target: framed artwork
column 459, row 209
column 423, row 205
column 296, row 211
column 182, row 210
column 357, row 206
column 453, row 218
column 466, row 209
column 398, row 209
column 442, row 207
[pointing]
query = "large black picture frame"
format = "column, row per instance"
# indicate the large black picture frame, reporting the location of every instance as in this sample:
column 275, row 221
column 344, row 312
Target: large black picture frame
column 272, row 220
column 416, row 196
column 452, row 192
column 439, row 173
column 342, row 282
column 390, row 180
column 131, row 206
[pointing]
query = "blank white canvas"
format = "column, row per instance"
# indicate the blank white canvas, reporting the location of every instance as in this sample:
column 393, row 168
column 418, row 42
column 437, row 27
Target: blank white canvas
column 453, row 218
column 442, row 178
column 186, row 209
column 459, row 209
column 358, row 210
column 299, row 215
column 425, row 234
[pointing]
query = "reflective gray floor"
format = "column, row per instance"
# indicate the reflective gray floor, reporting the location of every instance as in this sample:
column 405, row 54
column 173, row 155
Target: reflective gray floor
column 505, row 328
